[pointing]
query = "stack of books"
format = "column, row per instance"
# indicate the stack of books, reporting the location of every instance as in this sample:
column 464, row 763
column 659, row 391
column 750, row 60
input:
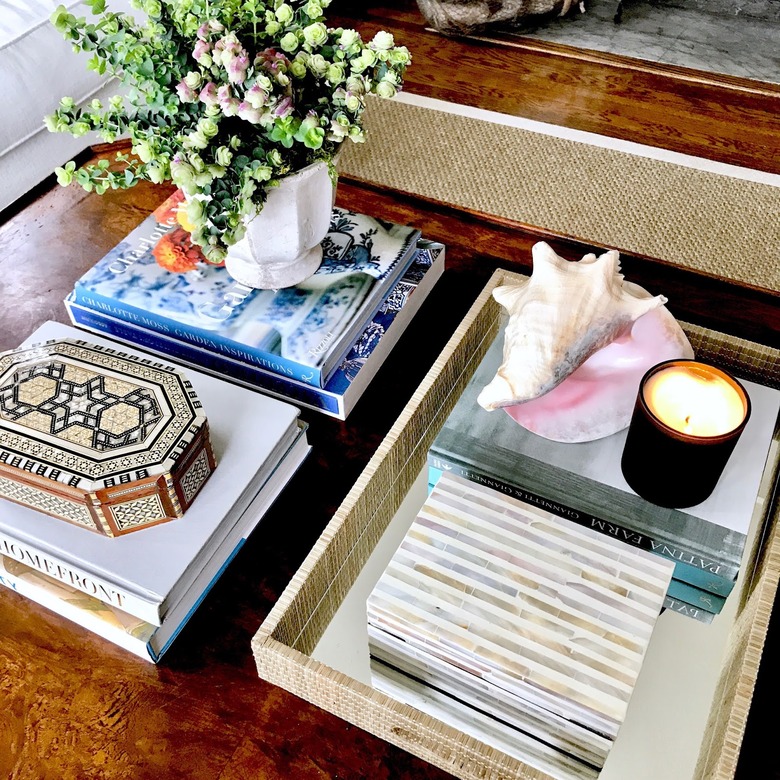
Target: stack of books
column 584, row 483
column 522, row 628
column 139, row 590
column 317, row 344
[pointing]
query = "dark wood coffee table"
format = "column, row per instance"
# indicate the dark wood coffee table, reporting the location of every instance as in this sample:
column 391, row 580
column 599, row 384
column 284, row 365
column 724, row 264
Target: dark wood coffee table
column 75, row 706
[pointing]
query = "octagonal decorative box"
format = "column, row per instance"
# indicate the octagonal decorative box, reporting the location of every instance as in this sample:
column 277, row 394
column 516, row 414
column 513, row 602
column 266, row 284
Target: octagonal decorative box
column 105, row 440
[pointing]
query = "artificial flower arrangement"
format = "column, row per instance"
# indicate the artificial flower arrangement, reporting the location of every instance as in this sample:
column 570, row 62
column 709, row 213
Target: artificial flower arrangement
column 224, row 98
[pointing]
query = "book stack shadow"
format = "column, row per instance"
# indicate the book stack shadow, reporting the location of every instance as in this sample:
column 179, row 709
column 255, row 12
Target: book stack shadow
column 710, row 544
column 515, row 626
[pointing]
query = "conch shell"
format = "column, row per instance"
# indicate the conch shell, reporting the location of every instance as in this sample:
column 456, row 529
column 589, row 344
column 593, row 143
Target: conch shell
column 558, row 318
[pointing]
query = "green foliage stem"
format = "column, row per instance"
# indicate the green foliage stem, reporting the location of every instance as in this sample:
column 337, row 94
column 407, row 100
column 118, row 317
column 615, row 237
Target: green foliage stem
column 222, row 97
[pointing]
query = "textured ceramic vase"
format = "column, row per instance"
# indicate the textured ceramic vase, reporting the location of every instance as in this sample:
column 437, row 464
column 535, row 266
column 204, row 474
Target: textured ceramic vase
column 282, row 243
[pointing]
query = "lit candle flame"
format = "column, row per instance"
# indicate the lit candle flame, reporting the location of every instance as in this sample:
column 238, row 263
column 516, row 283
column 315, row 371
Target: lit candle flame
column 694, row 400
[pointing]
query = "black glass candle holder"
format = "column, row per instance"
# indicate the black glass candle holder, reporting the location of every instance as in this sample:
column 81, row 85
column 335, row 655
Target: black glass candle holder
column 671, row 468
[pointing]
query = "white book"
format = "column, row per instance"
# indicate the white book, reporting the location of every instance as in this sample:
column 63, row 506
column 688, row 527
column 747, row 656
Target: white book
column 478, row 725
column 146, row 572
column 127, row 631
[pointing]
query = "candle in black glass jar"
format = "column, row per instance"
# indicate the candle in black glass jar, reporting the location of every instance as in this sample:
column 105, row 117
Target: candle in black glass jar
column 686, row 423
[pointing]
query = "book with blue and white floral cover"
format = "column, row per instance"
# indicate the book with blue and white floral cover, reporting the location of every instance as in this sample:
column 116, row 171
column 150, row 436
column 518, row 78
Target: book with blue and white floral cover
column 157, row 278
column 343, row 389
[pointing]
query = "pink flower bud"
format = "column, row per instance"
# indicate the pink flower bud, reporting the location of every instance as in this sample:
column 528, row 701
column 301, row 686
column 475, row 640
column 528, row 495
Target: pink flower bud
column 201, row 48
column 186, row 94
column 284, row 108
column 237, row 67
column 256, row 96
column 250, row 114
column 208, row 94
column 227, row 103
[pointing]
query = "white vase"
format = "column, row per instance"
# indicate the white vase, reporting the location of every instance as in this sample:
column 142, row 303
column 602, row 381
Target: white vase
column 282, row 243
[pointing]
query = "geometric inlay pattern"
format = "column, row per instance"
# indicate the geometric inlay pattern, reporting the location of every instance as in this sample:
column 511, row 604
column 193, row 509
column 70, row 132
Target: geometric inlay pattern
column 78, row 419
column 195, row 476
column 46, row 502
column 52, row 397
column 137, row 512
column 92, row 416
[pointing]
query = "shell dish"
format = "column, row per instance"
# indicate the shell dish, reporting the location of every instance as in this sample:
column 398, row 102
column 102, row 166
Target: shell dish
column 558, row 318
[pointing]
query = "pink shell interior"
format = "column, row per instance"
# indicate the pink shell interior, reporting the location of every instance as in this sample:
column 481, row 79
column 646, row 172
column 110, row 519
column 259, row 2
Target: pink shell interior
column 597, row 399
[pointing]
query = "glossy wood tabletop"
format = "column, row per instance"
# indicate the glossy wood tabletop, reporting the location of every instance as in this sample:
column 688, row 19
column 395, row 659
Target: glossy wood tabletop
column 74, row 706
column 720, row 118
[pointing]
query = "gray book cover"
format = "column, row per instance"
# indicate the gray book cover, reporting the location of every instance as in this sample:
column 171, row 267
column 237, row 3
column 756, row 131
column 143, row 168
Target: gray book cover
column 584, row 481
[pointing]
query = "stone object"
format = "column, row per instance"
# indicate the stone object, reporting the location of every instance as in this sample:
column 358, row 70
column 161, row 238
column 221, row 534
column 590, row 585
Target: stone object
column 281, row 247
column 530, row 624
column 558, row 318
column 100, row 438
column 462, row 17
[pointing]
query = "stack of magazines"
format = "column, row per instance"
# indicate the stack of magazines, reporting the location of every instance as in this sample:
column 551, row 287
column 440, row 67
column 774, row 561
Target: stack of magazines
column 317, row 344
column 138, row 590
column 517, row 627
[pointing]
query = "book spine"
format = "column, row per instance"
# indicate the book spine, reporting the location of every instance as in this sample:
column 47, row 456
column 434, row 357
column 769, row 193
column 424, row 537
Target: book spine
column 413, row 288
column 696, row 597
column 674, row 605
column 214, row 362
column 700, row 575
column 203, row 338
column 157, row 648
column 340, row 347
column 89, row 613
column 79, row 579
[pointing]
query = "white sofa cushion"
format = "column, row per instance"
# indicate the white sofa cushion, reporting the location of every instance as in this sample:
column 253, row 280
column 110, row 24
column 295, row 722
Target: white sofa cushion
column 37, row 68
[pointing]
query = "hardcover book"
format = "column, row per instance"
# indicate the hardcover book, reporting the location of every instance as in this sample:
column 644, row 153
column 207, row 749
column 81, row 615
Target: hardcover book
column 683, row 608
column 527, row 618
column 128, row 631
column 146, row 573
column 583, row 482
column 350, row 379
column 696, row 598
column 156, row 278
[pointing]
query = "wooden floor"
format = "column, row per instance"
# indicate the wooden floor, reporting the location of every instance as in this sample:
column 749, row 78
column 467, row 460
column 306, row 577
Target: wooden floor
column 76, row 708
column 716, row 117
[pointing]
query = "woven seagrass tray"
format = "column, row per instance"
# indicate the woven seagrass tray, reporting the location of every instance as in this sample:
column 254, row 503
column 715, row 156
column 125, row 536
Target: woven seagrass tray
column 285, row 643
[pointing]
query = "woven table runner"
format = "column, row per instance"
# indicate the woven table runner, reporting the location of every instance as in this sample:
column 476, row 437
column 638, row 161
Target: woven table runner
column 704, row 221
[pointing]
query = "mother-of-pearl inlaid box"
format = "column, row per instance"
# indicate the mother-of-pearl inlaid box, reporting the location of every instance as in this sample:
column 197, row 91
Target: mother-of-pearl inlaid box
column 100, row 438
column 518, row 619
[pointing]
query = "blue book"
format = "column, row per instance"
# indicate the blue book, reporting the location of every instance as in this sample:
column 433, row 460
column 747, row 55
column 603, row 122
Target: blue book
column 695, row 597
column 350, row 379
column 156, row 278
